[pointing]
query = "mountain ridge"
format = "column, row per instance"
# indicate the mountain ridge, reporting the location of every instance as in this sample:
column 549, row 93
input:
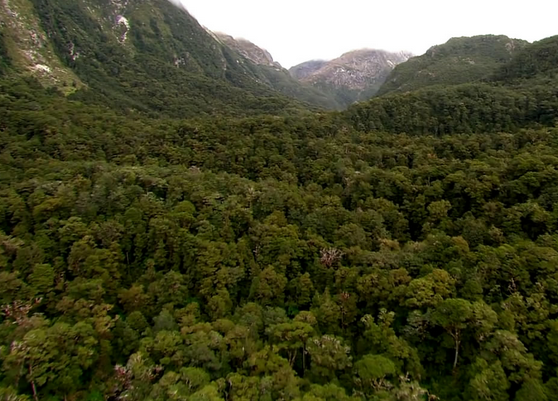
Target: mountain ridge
column 307, row 68
column 541, row 57
column 459, row 60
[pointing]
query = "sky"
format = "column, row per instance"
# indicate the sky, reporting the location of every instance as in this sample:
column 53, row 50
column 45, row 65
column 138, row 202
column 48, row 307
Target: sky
column 294, row 31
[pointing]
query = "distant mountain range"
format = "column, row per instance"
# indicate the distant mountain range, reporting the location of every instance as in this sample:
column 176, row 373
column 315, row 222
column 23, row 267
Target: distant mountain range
column 272, row 74
column 151, row 56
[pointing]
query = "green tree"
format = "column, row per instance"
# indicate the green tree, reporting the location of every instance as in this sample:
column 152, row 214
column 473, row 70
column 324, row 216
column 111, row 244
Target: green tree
column 372, row 371
column 489, row 381
column 328, row 355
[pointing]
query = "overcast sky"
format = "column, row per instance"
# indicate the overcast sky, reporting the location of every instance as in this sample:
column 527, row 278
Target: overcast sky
column 294, row 31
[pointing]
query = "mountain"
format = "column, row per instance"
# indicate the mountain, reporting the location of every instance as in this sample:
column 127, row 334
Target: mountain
column 516, row 88
column 140, row 55
column 301, row 71
column 272, row 74
column 537, row 59
column 249, row 50
column 460, row 60
column 355, row 76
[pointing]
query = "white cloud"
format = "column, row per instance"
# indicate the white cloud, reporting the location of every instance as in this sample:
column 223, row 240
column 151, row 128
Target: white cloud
column 298, row 30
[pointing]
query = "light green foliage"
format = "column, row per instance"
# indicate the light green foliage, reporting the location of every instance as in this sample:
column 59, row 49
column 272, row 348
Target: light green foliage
column 457, row 315
column 55, row 356
column 328, row 392
column 268, row 287
column 430, row 290
column 381, row 338
column 291, row 337
column 372, row 371
column 531, row 390
column 9, row 394
column 489, row 382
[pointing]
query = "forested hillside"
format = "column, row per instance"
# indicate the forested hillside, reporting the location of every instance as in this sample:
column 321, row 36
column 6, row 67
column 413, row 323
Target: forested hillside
column 466, row 108
column 538, row 59
column 459, row 61
column 142, row 57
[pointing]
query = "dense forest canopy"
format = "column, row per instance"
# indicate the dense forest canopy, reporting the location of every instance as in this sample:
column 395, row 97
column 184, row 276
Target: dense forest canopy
column 239, row 246
column 272, row 258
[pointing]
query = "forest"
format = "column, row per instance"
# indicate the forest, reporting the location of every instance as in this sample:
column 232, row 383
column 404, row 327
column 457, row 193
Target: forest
column 318, row 257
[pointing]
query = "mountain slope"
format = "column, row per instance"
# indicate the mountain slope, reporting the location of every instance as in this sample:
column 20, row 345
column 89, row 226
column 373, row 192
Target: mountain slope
column 25, row 47
column 536, row 59
column 460, row 60
column 144, row 55
column 249, row 50
column 270, row 72
column 303, row 70
column 354, row 76
column 521, row 93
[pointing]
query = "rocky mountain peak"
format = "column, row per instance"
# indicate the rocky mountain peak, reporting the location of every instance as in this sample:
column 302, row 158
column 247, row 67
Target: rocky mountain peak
column 358, row 68
column 354, row 76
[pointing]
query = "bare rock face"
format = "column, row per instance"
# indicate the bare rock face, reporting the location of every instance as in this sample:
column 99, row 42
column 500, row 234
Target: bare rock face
column 355, row 76
column 359, row 68
column 254, row 53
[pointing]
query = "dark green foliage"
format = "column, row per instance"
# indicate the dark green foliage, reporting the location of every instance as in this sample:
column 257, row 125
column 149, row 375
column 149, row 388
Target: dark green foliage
column 460, row 60
column 464, row 108
column 344, row 97
column 274, row 257
column 4, row 56
column 538, row 58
